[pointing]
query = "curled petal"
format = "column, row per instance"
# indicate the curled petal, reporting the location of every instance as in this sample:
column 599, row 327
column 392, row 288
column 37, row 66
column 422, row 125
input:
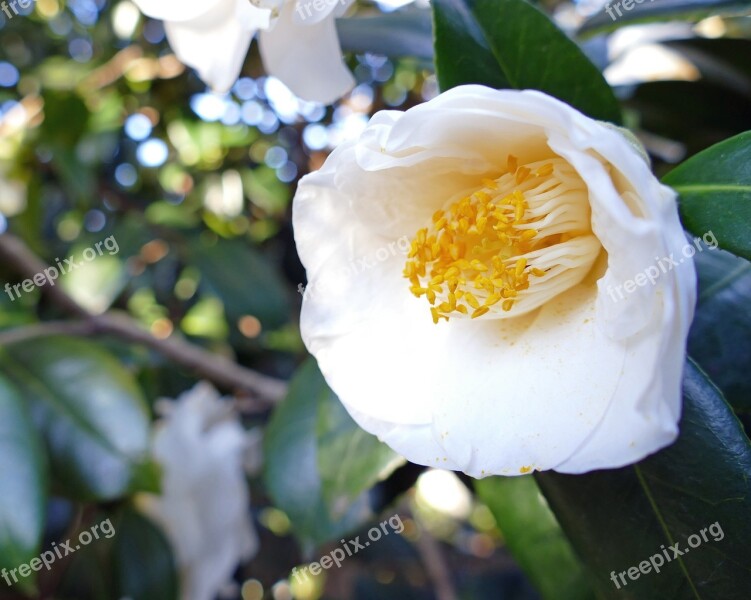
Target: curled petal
column 307, row 58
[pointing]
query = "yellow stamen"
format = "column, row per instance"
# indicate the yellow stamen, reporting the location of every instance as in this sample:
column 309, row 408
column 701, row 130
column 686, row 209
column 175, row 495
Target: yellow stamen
column 472, row 260
column 521, row 174
column 544, row 170
column 483, row 310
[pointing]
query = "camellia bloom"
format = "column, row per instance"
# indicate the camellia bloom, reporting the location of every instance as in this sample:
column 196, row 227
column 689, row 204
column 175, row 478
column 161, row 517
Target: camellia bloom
column 298, row 41
column 493, row 346
column 204, row 506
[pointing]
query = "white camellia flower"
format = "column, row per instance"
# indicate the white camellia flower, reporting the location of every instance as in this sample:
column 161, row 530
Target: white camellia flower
column 204, row 506
column 505, row 341
column 298, row 41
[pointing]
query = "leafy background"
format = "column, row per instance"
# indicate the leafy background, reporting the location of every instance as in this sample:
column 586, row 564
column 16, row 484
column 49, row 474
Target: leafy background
column 103, row 133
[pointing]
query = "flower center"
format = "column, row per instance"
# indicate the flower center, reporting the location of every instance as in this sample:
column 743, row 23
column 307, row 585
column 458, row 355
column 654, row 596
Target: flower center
column 508, row 247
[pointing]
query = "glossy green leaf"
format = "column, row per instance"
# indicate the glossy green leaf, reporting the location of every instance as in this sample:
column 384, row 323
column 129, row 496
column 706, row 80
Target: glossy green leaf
column 462, row 53
column 715, row 193
column 661, row 10
column 90, row 411
column 700, row 487
column 531, row 52
column 23, row 485
column 720, row 336
column 350, row 460
column 144, row 567
column 244, row 280
column 534, row 538
column 401, row 33
column 320, row 506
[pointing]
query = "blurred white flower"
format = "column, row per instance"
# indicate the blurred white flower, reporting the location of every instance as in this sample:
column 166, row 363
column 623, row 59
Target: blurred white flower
column 496, row 347
column 636, row 55
column 204, row 507
column 298, row 41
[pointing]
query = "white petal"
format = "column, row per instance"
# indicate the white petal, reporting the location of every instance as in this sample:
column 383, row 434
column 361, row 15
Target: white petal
column 252, row 17
column 307, row 58
column 217, row 52
column 178, row 10
column 394, row 4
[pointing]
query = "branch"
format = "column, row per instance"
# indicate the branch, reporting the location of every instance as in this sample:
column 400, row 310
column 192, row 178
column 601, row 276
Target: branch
column 50, row 328
column 431, row 555
column 22, row 260
column 218, row 369
column 222, row 371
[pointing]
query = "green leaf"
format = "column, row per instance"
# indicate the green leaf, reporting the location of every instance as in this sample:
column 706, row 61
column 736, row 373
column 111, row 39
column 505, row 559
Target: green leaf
column 531, row 52
column 720, row 336
column 401, row 33
column 144, row 568
column 715, row 191
column 462, row 53
column 662, row 10
column 297, row 441
column 350, row 460
column 534, row 537
column 89, row 409
column 244, row 280
column 66, row 118
column 619, row 518
column 23, row 485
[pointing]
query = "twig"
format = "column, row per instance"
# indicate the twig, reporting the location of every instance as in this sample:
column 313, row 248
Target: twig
column 431, row 555
column 222, row 371
column 218, row 369
column 47, row 329
column 21, row 259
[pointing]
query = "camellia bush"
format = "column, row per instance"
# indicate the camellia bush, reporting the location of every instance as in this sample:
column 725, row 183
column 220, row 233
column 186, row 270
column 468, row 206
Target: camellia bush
column 352, row 299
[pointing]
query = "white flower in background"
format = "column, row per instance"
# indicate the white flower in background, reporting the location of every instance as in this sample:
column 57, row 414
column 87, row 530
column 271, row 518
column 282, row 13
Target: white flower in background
column 494, row 347
column 204, row 507
column 637, row 55
column 298, row 41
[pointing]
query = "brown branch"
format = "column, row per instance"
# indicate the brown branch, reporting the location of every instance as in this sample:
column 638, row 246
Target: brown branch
column 22, row 260
column 47, row 329
column 222, row 371
column 131, row 61
column 218, row 369
column 431, row 555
